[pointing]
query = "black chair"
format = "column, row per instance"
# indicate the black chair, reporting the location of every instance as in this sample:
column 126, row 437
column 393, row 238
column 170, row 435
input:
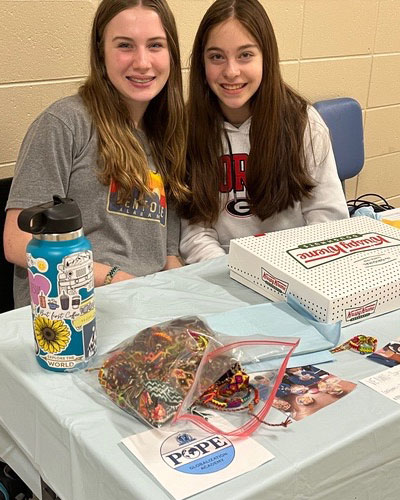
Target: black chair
column 6, row 269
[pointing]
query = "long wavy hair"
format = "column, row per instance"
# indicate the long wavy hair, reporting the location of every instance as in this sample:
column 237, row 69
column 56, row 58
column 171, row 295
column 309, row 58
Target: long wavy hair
column 276, row 173
column 121, row 155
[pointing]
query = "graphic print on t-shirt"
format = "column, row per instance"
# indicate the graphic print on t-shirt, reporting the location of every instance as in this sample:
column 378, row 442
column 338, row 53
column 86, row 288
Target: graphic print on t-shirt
column 235, row 182
column 154, row 207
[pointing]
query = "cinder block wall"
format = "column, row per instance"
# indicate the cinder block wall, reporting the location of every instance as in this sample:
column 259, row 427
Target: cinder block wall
column 328, row 48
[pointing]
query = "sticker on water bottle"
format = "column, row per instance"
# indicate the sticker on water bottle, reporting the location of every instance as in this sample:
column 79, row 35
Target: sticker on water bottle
column 40, row 263
column 63, row 310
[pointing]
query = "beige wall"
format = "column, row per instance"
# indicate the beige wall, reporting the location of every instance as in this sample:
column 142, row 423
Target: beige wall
column 328, row 48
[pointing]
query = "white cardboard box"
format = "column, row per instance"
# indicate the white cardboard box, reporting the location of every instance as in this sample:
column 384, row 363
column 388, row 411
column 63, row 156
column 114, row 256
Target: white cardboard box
column 346, row 270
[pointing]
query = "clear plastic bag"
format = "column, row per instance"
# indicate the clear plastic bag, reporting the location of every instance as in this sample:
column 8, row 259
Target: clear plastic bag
column 149, row 374
column 170, row 372
column 240, row 379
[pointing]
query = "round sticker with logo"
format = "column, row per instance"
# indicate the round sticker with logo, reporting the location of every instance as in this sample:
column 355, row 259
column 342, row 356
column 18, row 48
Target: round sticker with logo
column 197, row 452
column 239, row 207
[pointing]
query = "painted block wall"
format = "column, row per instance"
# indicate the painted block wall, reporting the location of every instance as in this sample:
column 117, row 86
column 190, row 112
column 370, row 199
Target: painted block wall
column 328, row 49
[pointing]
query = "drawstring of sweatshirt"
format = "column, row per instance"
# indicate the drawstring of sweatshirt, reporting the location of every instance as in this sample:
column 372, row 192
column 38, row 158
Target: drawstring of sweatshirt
column 232, row 162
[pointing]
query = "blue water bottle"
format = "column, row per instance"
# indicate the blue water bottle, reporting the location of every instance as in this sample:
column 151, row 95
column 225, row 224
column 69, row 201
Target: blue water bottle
column 60, row 271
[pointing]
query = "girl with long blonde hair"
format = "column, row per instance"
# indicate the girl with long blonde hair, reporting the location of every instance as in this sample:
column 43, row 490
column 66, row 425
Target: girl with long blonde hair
column 117, row 148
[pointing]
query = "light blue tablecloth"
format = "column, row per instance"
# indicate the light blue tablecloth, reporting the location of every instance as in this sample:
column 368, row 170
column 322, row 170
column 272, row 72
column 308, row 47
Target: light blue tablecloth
column 348, row 450
column 280, row 320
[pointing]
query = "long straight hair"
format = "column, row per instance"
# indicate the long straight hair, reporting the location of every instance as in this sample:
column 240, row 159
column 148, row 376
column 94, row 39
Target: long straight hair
column 276, row 173
column 121, row 155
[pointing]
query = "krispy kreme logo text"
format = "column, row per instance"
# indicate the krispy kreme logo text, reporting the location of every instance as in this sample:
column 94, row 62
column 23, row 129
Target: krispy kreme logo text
column 314, row 254
column 356, row 313
column 275, row 283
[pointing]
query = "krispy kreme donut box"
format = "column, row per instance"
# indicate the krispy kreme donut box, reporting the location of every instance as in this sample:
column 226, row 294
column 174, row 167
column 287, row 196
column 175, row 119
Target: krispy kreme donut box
column 346, row 270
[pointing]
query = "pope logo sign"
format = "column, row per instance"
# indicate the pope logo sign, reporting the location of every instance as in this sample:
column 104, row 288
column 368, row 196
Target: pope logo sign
column 197, row 452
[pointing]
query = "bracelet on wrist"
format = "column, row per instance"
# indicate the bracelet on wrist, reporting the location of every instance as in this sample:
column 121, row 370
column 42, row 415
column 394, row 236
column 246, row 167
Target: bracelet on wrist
column 110, row 275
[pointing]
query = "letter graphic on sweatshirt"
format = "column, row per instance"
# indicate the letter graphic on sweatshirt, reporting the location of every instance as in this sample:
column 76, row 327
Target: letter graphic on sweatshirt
column 153, row 208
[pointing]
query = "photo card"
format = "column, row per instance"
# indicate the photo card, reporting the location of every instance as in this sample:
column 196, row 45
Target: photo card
column 388, row 355
column 305, row 390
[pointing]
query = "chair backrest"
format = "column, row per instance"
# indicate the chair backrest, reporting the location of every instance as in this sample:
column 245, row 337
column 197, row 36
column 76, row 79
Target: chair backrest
column 6, row 269
column 343, row 117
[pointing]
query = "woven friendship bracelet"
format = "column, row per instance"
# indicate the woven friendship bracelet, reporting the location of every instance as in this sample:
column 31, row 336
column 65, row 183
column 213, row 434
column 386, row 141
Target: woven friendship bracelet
column 110, row 275
column 364, row 344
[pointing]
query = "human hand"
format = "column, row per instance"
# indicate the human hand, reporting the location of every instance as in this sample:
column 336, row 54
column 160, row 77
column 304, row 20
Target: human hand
column 122, row 276
column 101, row 270
column 172, row 262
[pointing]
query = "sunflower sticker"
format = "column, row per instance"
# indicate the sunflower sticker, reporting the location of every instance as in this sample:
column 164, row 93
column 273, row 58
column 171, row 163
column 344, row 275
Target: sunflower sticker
column 53, row 336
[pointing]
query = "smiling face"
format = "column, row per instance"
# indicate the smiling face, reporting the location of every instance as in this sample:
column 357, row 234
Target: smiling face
column 234, row 68
column 136, row 57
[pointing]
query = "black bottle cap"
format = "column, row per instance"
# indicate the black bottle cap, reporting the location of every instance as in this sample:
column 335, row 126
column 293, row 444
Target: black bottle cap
column 62, row 215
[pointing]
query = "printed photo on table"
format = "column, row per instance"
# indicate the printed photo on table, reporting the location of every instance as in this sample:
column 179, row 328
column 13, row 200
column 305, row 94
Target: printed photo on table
column 389, row 355
column 305, row 390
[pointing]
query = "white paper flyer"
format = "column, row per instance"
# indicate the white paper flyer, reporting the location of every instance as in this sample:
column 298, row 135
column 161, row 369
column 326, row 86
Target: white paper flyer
column 386, row 382
column 180, row 456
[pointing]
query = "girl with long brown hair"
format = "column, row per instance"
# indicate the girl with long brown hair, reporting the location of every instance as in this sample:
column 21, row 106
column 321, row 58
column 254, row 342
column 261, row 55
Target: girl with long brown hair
column 117, row 148
column 259, row 156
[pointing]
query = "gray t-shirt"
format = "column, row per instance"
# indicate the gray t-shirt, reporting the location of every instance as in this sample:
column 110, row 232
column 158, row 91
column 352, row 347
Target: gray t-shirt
column 59, row 156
